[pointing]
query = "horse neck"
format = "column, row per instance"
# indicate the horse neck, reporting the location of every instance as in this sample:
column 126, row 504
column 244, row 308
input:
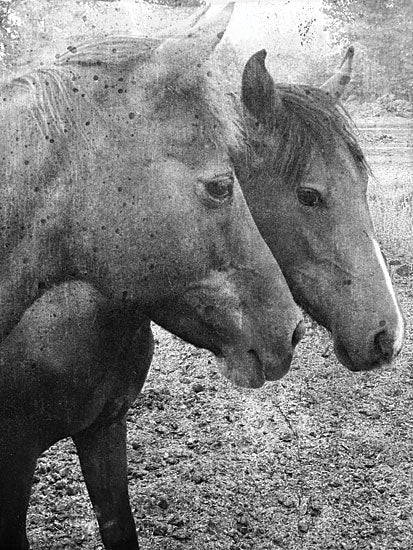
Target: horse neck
column 30, row 236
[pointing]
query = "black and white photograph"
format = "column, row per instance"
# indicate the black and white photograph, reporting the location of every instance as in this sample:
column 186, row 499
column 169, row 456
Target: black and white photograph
column 206, row 275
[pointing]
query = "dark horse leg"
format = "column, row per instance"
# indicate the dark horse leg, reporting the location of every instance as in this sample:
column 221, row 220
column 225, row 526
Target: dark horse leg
column 102, row 448
column 72, row 367
column 18, row 463
column 102, row 455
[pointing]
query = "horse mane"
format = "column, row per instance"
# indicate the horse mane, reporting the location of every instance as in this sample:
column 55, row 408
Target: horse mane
column 309, row 119
column 114, row 50
column 53, row 106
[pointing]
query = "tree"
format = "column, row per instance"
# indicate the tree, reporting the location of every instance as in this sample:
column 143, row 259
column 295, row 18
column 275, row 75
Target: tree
column 30, row 28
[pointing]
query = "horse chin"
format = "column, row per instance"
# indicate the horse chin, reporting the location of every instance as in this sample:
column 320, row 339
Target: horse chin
column 344, row 357
column 249, row 371
column 276, row 373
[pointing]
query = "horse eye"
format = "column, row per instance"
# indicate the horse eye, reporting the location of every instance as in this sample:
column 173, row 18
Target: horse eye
column 309, row 197
column 220, row 187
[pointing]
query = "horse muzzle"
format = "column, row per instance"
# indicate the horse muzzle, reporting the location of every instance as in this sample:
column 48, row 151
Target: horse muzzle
column 251, row 368
column 381, row 348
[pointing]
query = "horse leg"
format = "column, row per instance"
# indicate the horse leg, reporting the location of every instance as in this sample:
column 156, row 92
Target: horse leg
column 16, row 475
column 102, row 455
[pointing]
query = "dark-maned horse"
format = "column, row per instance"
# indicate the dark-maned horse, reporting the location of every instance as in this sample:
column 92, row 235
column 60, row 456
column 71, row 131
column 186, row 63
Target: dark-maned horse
column 116, row 176
column 306, row 188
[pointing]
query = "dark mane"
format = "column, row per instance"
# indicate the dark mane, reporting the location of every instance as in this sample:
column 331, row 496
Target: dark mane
column 309, row 119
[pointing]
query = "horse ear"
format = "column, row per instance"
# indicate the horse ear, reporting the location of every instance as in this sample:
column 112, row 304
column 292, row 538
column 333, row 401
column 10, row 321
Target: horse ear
column 258, row 90
column 336, row 84
column 183, row 55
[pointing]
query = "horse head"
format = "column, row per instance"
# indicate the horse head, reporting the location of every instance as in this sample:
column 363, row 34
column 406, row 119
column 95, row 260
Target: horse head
column 131, row 188
column 306, row 187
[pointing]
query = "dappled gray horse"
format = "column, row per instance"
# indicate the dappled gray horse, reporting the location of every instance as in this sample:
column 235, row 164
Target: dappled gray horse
column 117, row 186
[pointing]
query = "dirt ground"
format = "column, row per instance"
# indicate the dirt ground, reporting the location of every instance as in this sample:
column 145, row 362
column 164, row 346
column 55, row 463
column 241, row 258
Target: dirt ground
column 321, row 460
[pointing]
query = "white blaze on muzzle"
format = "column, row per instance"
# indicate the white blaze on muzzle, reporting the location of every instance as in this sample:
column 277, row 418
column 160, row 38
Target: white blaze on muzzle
column 399, row 330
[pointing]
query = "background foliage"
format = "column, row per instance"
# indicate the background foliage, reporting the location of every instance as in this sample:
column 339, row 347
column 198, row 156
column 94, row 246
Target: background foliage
column 380, row 30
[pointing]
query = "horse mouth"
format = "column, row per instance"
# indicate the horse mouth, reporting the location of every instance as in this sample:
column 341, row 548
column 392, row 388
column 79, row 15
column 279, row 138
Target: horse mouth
column 343, row 356
column 345, row 359
column 244, row 370
column 256, row 364
column 248, row 370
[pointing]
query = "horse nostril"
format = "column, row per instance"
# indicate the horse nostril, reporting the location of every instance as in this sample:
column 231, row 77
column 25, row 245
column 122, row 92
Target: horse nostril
column 298, row 333
column 384, row 344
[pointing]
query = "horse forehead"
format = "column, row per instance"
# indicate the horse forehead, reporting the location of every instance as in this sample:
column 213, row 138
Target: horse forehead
column 179, row 126
column 186, row 130
column 334, row 168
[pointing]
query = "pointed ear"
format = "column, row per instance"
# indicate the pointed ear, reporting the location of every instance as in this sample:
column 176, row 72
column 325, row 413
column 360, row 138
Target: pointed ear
column 258, row 90
column 181, row 57
column 336, row 85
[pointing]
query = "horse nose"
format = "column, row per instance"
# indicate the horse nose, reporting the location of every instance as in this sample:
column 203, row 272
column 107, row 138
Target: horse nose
column 385, row 346
column 298, row 333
